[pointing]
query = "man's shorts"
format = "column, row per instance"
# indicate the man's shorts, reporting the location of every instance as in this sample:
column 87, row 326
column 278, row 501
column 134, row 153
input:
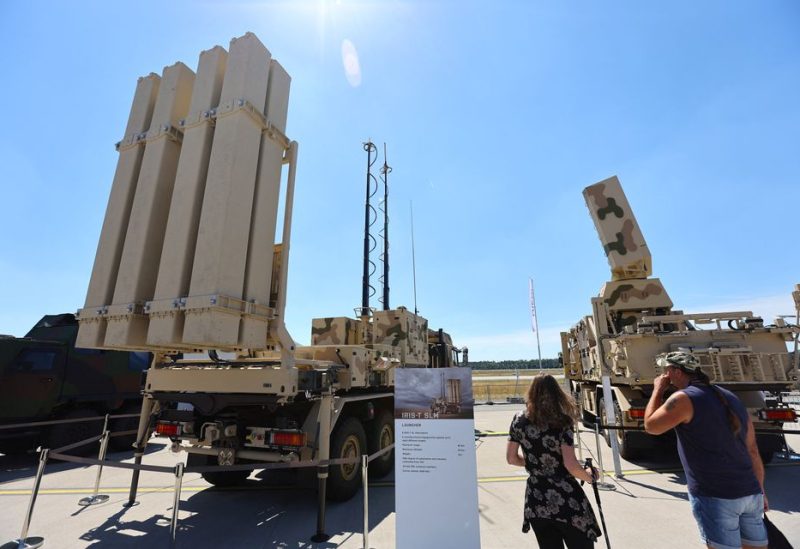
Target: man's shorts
column 730, row 523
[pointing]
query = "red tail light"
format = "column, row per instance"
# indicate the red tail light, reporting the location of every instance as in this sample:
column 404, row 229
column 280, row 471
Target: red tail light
column 167, row 429
column 282, row 438
column 777, row 414
column 636, row 413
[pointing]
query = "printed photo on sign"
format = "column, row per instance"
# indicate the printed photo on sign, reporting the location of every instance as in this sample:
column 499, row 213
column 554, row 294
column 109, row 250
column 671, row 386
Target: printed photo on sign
column 434, row 393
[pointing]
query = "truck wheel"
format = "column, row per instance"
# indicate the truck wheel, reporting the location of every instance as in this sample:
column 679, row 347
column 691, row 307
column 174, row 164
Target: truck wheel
column 63, row 434
column 16, row 447
column 601, row 413
column 768, row 444
column 124, row 443
column 587, row 419
column 347, row 441
column 766, row 456
column 380, row 434
column 623, row 437
column 221, row 479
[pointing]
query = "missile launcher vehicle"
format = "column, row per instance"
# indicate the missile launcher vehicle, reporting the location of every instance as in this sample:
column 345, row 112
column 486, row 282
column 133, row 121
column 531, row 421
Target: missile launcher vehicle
column 188, row 268
column 633, row 320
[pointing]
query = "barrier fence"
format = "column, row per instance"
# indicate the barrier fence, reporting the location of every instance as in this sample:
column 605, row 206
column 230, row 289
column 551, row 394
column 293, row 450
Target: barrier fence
column 625, row 428
column 58, row 454
column 104, row 418
column 598, row 427
column 514, row 391
column 26, row 542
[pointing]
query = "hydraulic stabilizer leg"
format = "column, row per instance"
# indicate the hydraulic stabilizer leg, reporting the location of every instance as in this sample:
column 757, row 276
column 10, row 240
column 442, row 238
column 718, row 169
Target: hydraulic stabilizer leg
column 149, row 407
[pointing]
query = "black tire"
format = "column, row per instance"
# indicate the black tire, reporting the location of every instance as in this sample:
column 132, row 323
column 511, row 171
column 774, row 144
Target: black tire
column 380, row 434
column 17, row 447
column 220, row 479
column 124, row 443
column 587, row 419
column 63, row 434
column 623, row 437
column 768, row 445
column 347, row 441
column 601, row 414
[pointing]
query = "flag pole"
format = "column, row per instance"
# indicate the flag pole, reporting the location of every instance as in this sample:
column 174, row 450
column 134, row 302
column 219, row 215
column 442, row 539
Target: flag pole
column 535, row 321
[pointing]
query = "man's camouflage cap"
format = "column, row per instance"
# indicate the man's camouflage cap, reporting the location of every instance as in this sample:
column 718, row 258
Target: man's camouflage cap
column 679, row 359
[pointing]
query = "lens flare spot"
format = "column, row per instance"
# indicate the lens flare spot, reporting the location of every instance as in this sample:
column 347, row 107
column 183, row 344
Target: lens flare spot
column 352, row 68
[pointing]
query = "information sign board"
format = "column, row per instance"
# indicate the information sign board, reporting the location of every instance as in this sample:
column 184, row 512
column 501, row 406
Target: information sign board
column 436, row 487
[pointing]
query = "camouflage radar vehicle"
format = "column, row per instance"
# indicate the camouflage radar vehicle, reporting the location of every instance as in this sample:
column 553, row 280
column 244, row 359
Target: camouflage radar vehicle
column 633, row 320
column 189, row 267
column 43, row 377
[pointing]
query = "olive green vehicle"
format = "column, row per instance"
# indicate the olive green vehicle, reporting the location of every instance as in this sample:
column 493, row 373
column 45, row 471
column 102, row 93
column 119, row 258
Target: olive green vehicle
column 44, row 377
column 633, row 320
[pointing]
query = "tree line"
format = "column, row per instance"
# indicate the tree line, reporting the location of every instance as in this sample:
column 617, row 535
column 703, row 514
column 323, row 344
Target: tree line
column 532, row 364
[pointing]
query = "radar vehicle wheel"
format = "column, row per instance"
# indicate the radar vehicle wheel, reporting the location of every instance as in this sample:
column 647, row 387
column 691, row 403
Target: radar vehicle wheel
column 623, row 437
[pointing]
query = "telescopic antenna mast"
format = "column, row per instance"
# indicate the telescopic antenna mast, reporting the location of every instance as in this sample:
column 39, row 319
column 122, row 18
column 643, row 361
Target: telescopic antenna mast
column 367, row 290
column 385, row 170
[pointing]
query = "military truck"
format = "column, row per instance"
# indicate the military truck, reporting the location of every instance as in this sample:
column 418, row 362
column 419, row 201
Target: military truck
column 188, row 263
column 633, row 320
column 256, row 409
column 44, row 377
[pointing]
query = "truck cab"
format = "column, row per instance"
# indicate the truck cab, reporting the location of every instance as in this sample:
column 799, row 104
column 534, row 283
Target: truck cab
column 43, row 376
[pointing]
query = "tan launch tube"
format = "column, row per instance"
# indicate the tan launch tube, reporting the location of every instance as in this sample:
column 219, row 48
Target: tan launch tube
column 214, row 306
column 258, row 274
column 138, row 269
column 92, row 331
column 177, row 256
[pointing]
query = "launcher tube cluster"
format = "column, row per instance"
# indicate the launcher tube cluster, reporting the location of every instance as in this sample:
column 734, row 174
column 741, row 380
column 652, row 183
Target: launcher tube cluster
column 185, row 258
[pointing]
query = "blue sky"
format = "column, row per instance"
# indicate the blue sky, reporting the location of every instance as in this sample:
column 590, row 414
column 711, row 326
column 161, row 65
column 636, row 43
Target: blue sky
column 496, row 115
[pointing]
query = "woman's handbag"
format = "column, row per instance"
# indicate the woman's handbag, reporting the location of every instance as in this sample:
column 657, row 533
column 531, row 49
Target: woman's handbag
column 776, row 538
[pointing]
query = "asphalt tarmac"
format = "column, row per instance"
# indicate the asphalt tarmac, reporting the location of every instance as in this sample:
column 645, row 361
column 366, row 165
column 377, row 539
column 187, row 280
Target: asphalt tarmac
column 647, row 510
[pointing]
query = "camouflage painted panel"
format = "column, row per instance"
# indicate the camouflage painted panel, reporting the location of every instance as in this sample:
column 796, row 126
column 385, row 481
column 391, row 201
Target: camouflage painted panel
column 394, row 327
column 405, row 331
column 418, row 343
column 338, row 330
column 635, row 295
column 389, row 331
column 619, row 232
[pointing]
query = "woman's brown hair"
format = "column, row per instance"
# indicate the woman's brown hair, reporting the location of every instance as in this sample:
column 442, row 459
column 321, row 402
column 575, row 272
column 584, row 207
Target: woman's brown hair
column 548, row 405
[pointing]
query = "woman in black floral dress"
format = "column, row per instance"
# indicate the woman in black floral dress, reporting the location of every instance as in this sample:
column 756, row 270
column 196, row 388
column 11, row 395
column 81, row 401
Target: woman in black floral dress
column 555, row 505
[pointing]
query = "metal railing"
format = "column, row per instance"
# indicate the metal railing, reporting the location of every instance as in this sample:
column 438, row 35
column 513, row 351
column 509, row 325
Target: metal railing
column 45, row 454
column 59, row 421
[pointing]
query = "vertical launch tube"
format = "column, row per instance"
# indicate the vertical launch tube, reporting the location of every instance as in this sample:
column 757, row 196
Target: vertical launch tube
column 92, row 331
column 214, row 306
column 180, row 238
column 258, row 275
column 138, row 268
